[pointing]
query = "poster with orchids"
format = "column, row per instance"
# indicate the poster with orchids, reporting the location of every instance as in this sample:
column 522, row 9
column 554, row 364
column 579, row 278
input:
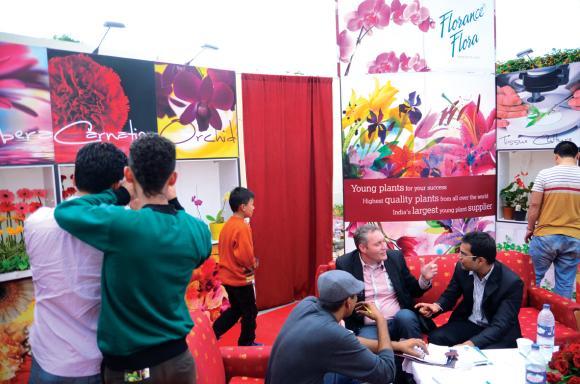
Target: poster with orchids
column 196, row 109
column 387, row 36
column 418, row 155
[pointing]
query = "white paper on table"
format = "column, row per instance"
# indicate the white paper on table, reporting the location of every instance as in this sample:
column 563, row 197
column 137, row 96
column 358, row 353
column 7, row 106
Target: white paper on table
column 436, row 355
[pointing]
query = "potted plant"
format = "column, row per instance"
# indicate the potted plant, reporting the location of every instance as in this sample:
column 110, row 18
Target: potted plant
column 508, row 195
column 515, row 196
column 14, row 208
column 217, row 223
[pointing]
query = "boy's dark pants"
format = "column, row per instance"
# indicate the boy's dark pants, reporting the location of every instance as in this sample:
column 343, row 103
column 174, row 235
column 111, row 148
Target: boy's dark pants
column 243, row 304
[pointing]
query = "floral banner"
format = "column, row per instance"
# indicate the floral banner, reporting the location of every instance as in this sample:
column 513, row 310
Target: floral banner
column 25, row 126
column 99, row 98
column 386, row 36
column 538, row 108
column 402, row 130
column 16, row 314
column 196, row 109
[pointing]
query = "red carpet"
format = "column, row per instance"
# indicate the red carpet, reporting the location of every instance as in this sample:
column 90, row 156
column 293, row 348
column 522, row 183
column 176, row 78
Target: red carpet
column 269, row 324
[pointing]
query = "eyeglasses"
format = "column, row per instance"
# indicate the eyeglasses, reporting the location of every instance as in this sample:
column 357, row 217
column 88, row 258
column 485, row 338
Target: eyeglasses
column 462, row 255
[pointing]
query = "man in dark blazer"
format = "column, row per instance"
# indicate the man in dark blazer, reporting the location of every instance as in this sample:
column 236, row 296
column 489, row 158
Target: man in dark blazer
column 492, row 295
column 388, row 284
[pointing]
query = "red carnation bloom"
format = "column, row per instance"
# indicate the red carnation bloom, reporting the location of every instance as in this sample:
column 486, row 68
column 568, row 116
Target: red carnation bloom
column 576, row 359
column 553, row 377
column 82, row 89
column 6, row 196
column 562, row 366
column 25, row 194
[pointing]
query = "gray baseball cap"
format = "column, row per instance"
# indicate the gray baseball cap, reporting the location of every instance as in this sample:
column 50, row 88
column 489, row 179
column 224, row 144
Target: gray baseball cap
column 336, row 285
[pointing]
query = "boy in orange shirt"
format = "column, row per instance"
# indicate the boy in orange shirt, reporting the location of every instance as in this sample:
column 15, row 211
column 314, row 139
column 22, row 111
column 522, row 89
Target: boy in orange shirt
column 236, row 269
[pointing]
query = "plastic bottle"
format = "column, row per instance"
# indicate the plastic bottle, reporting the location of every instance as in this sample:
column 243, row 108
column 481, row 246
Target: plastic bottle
column 545, row 335
column 535, row 366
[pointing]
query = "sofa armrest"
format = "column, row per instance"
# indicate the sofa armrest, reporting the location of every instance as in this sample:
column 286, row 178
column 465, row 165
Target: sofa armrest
column 565, row 311
column 246, row 361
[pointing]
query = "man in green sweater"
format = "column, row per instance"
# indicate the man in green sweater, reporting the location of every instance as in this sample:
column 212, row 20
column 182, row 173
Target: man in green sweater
column 150, row 252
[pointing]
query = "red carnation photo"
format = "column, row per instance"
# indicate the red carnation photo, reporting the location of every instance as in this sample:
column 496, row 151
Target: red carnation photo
column 81, row 89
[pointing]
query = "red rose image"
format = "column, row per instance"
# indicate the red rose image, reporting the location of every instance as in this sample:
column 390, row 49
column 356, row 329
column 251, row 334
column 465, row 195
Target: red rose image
column 562, row 366
column 82, row 89
column 574, row 380
column 553, row 377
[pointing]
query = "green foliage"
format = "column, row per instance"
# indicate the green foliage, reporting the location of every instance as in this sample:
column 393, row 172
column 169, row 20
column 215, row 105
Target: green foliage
column 13, row 257
column 338, row 210
column 65, row 38
column 509, row 246
column 535, row 115
column 513, row 195
column 556, row 57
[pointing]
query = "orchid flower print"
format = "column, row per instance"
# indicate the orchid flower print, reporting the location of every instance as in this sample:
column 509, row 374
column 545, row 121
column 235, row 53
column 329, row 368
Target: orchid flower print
column 191, row 94
column 371, row 15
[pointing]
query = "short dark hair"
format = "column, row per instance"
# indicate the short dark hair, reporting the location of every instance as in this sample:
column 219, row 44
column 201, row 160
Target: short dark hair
column 566, row 149
column 239, row 196
column 152, row 160
column 98, row 166
column 482, row 245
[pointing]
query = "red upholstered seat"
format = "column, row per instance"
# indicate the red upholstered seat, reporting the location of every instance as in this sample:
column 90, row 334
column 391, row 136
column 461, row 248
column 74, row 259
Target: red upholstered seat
column 217, row 365
column 566, row 312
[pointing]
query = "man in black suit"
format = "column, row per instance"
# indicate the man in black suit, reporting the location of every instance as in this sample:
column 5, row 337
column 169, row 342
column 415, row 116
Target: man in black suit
column 492, row 295
column 388, row 284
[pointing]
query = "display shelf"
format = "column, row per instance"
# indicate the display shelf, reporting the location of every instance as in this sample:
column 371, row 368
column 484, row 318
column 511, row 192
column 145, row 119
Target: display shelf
column 14, row 178
column 209, row 181
column 15, row 275
column 65, row 182
column 510, row 163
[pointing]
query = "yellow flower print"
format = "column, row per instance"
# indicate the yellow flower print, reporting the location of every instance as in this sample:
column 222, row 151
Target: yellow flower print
column 15, row 230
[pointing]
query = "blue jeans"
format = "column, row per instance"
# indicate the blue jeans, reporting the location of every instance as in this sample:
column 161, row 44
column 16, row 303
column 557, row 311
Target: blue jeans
column 405, row 325
column 564, row 252
column 40, row 376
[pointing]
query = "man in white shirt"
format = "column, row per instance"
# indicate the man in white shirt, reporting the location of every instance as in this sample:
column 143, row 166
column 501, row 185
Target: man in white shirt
column 66, row 274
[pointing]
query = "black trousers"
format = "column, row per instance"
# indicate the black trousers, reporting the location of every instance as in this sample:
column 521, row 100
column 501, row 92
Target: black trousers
column 243, row 304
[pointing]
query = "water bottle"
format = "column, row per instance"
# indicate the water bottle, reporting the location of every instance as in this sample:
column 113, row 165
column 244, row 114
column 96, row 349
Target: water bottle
column 545, row 336
column 535, row 366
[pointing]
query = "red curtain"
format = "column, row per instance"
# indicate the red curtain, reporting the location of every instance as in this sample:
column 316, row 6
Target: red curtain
column 288, row 152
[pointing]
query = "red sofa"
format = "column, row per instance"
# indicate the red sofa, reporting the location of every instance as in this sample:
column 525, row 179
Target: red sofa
column 566, row 312
column 219, row 365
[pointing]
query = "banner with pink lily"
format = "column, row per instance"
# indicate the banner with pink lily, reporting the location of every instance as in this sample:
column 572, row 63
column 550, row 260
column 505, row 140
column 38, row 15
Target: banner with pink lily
column 387, row 36
column 418, row 155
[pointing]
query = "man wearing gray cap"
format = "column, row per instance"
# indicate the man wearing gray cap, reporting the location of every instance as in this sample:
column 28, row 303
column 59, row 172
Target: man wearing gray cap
column 312, row 343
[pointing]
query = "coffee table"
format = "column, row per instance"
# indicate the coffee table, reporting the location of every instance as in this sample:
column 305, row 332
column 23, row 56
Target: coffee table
column 508, row 367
